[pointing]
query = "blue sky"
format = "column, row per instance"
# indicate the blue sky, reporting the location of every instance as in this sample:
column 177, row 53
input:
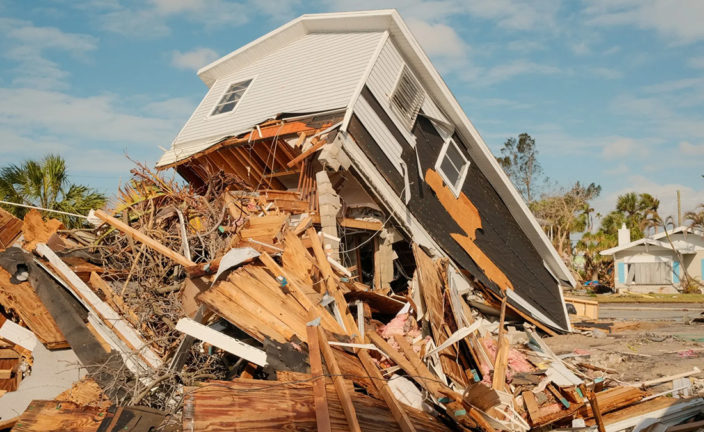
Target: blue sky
column 612, row 91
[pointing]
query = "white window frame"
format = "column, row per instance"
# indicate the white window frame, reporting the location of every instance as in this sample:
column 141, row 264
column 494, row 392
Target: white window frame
column 402, row 119
column 225, row 91
column 456, row 188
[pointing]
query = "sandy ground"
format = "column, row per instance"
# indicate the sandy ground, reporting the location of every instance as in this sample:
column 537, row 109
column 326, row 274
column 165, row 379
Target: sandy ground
column 653, row 350
column 52, row 373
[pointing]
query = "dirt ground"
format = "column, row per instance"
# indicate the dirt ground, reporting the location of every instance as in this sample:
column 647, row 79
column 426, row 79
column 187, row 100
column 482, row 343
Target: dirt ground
column 652, row 350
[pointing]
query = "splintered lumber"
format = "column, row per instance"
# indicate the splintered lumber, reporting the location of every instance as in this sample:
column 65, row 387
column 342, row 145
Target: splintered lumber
column 23, row 300
column 339, row 381
column 667, row 410
column 314, row 148
column 431, row 282
column 331, row 284
column 379, row 381
column 613, row 399
column 301, row 297
column 258, row 405
column 144, row 239
column 531, row 406
column 594, row 403
column 85, row 392
column 322, row 416
column 59, row 416
column 10, row 228
column 107, row 315
column 16, row 334
column 222, row 341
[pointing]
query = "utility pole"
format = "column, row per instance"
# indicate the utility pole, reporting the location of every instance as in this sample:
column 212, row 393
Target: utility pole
column 679, row 209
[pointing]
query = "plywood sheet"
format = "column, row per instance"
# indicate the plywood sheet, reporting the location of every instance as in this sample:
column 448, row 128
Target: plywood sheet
column 257, row 405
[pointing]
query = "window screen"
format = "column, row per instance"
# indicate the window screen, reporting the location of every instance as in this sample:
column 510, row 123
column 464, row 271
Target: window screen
column 452, row 166
column 407, row 98
column 232, row 96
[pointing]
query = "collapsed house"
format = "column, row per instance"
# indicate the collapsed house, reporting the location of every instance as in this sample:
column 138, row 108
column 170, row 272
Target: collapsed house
column 346, row 255
column 348, row 108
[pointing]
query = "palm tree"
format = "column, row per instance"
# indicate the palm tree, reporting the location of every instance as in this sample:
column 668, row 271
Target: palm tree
column 696, row 218
column 46, row 184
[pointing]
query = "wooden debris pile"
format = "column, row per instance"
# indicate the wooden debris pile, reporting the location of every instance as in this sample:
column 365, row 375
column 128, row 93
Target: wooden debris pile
column 233, row 307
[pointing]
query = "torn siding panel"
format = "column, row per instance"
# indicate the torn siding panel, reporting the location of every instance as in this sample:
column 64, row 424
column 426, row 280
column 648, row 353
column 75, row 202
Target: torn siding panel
column 316, row 72
column 382, row 81
column 500, row 238
column 379, row 132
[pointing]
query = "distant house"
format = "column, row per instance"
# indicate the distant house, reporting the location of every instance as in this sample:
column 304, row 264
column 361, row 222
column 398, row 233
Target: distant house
column 656, row 264
column 346, row 111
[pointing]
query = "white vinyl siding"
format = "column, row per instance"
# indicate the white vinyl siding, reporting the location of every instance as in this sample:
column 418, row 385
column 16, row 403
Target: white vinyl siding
column 452, row 166
column 379, row 132
column 382, row 82
column 315, row 72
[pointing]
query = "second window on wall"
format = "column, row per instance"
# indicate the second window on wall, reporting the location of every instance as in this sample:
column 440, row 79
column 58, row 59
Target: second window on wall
column 452, row 165
column 231, row 98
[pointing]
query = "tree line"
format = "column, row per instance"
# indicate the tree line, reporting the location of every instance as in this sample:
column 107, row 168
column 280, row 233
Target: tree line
column 567, row 216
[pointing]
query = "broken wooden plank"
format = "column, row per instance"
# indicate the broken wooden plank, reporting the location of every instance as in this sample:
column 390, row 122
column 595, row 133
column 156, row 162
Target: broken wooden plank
column 322, row 416
column 59, row 416
column 259, row 405
column 17, row 334
column 379, row 381
column 24, row 301
column 339, row 381
column 331, row 284
column 314, row 148
column 222, row 341
column 143, row 238
column 109, row 317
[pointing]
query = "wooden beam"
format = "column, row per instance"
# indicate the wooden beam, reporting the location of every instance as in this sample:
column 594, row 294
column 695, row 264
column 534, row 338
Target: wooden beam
column 317, row 146
column 143, row 238
column 380, row 383
column 222, row 341
column 333, row 289
column 322, row 415
column 339, row 381
column 594, row 402
column 354, row 223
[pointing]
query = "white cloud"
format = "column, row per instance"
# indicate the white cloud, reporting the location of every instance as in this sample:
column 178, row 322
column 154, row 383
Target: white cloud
column 676, row 20
column 438, row 39
column 151, row 19
column 97, row 118
column 621, row 147
column 581, row 48
column 516, row 14
column 689, row 149
column 696, row 62
column 606, row 73
column 510, row 70
column 194, row 59
column 30, row 46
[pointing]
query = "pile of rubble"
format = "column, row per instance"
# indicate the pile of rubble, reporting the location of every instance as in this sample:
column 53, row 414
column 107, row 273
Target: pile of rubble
column 227, row 307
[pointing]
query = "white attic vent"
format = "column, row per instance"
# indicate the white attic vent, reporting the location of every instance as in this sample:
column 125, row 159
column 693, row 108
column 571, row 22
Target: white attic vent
column 407, row 98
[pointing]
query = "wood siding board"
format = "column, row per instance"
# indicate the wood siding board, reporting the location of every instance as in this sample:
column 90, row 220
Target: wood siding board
column 500, row 238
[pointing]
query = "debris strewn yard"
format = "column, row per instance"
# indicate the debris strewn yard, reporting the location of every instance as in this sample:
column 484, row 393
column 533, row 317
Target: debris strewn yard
column 323, row 268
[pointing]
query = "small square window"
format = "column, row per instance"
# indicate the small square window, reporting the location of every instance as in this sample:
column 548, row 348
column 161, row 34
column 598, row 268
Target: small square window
column 232, row 96
column 452, row 166
column 407, row 98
